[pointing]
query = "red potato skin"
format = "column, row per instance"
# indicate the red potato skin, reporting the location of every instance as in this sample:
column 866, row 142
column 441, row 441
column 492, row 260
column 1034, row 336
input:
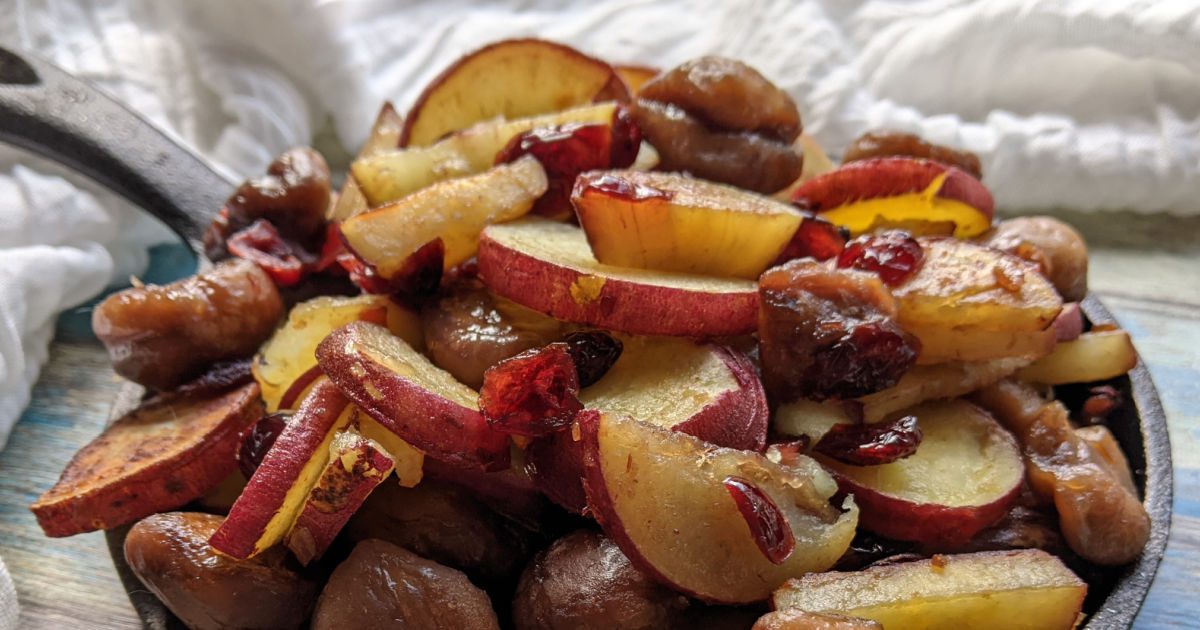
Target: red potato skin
column 889, row 176
column 1069, row 323
column 926, row 523
column 640, row 309
column 736, row 419
column 601, row 503
column 321, row 520
column 265, row 492
column 614, row 90
column 163, row 486
column 440, row 428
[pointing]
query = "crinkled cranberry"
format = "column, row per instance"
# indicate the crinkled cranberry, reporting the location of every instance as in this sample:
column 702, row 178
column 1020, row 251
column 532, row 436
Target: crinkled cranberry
column 258, row 438
column 419, row 278
column 262, row 245
column 564, row 151
column 815, row 238
column 828, row 333
column 594, row 353
column 871, row 444
column 534, row 393
column 894, row 255
column 768, row 526
column 620, row 188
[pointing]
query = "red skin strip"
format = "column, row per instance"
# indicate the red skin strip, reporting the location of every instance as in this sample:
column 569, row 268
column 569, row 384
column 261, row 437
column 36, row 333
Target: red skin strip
column 889, row 176
column 265, row 492
column 343, row 492
column 434, row 425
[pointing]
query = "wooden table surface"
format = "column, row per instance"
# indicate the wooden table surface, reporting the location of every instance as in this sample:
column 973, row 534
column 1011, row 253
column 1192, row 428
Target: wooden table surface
column 1146, row 270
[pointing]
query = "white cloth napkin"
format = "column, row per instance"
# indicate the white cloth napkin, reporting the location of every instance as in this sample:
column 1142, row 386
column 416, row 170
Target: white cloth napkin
column 1089, row 104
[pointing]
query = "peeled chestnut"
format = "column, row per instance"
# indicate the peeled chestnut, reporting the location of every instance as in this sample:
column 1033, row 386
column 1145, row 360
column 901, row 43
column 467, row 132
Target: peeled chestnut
column 729, row 95
column 161, row 336
column 384, row 586
column 584, row 582
column 170, row 554
column 469, row 330
column 445, row 523
column 1052, row 244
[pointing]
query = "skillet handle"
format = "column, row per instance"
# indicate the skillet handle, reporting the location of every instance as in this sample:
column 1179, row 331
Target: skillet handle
column 49, row 112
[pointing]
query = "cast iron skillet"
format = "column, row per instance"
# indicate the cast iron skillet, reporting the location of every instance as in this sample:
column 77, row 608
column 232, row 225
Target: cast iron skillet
column 51, row 113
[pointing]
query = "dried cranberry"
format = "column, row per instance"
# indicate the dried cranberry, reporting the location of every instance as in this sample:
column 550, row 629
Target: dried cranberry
column 894, row 255
column 594, row 353
column 262, row 245
column 332, row 248
column 815, row 238
column 626, row 138
column 828, row 333
column 419, row 278
column 871, row 444
column 768, row 526
column 258, row 438
column 619, row 187
column 534, row 393
column 564, row 151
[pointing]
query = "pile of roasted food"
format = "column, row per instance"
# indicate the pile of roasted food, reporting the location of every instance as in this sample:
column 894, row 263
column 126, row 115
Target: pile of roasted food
column 583, row 346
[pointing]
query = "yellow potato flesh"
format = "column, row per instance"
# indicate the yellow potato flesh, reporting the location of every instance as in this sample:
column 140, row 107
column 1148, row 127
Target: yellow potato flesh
column 390, row 175
column 961, row 442
column 925, row 206
column 703, row 228
column 965, row 286
column 409, row 462
column 385, row 134
column 661, row 381
column 1094, row 356
column 289, row 353
column 941, row 345
column 454, row 211
column 1014, row 590
column 667, row 492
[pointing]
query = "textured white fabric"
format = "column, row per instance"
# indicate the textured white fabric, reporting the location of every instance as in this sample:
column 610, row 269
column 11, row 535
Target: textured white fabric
column 1089, row 104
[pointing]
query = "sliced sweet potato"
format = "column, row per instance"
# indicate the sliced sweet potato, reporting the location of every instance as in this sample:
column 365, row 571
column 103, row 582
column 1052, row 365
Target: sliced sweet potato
column 165, row 453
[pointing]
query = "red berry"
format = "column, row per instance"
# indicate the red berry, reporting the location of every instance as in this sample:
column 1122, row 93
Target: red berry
column 261, row 244
column 258, row 439
column 871, row 444
column 594, row 353
column 565, row 151
column 534, row 393
column 894, row 255
column 815, row 238
column 620, row 188
column 768, row 526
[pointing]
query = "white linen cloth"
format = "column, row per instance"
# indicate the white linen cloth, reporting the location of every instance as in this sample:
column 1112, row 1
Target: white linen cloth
column 1088, row 104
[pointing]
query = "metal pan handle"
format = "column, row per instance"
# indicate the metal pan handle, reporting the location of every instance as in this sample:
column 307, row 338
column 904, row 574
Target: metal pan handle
column 46, row 110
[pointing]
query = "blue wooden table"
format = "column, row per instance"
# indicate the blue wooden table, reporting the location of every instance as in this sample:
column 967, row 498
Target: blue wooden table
column 1147, row 270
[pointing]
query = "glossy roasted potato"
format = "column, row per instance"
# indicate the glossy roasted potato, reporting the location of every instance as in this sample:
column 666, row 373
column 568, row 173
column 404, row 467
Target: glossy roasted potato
column 384, row 586
column 584, row 582
column 444, row 523
column 800, row 620
column 972, row 303
column 170, row 554
column 161, row 336
column 1013, row 590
